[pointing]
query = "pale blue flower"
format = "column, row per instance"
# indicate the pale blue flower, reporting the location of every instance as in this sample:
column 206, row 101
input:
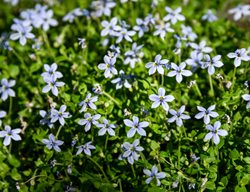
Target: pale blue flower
column 173, row 15
column 162, row 30
column 206, row 113
column 106, row 127
column 12, row 2
column 59, row 115
column 131, row 151
column 50, row 72
column 154, row 174
column 72, row 15
column 47, row 20
column 136, row 126
column 195, row 59
column 2, row 115
column 82, row 43
column 188, row 33
column 124, row 34
column 158, row 65
column 22, row 32
column 211, row 64
column 209, row 16
column 179, row 71
column 246, row 97
column 134, row 55
column 178, row 116
column 52, row 143
column 201, row 47
column 108, row 66
column 9, row 134
column 89, row 120
column 101, row 7
column 239, row 55
column 141, row 27
column 86, row 148
column 46, row 118
column 215, row 132
column 122, row 80
column 88, row 102
column 5, row 89
column 240, row 11
column 52, row 85
column 161, row 99
column 110, row 28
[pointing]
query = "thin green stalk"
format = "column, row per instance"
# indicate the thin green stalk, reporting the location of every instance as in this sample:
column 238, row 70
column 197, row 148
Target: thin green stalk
column 10, row 146
column 162, row 79
column 112, row 98
column 233, row 79
column 46, row 40
column 106, row 142
column 120, row 184
column 133, row 170
column 211, row 85
column 179, row 155
column 58, row 131
column 10, row 106
column 97, row 164
column 198, row 90
column 33, row 178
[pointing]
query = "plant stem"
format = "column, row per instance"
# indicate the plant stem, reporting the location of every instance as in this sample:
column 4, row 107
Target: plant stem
column 46, row 40
column 179, row 155
column 211, row 85
column 162, row 79
column 97, row 164
column 233, row 78
column 106, row 143
column 198, row 90
column 120, row 184
column 133, row 170
column 33, row 178
column 58, row 131
column 111, row 98
column 10, row 107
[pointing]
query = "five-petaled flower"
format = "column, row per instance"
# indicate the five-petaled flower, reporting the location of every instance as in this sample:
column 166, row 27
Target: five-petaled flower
column 210, row 64
column 154, row 174
column 158, row 65
column 215, row 132
column 88, row 102
column 9, row 134
column 85, row 148
column 136, row 126
column 178, row 116
column 52, row 143
column 89, row 120
column 131, row 151
column 161, row 99
column 173, row 15
column 239, row 55
column 5, row 89
column 178, row 71
column 106, row 127
column 206, row 113
column 59, row 115
column 108, row 66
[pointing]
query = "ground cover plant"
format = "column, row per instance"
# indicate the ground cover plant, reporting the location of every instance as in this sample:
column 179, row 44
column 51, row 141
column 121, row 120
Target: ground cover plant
column 126, row 95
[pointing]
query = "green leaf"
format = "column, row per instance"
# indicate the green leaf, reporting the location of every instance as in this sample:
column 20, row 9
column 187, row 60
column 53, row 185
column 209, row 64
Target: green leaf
column 247, row 160
column 154, row 145
column 234, row 154
column 15, row 175
column 13, row 161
